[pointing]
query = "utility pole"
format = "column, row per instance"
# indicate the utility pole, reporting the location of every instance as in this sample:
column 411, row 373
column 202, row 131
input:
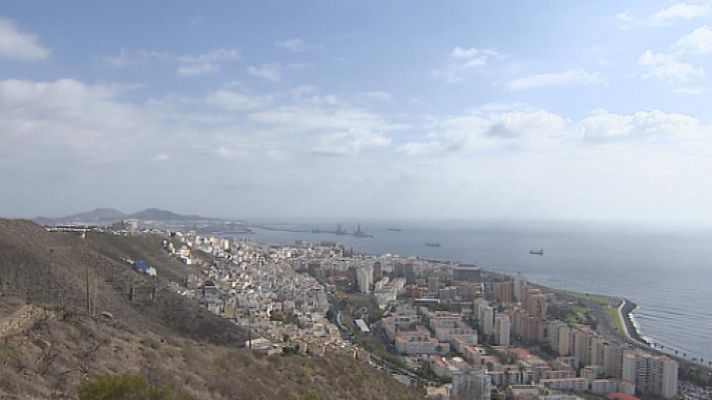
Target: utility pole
column 86, row 269
column 249, row 328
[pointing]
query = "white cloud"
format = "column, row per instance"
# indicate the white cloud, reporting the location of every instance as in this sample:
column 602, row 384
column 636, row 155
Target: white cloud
column 698, row 42
column 197, row 69
column 375, row 96
column 493, row 127
column 577, row 76
column 668, row 67
column 349, row 143
column 65, row 115
column 293, row 45
column 644, row 125
column 665, row 16
column 309, row 117
column 188, row 65
column 214, row 55
column 693, row 89
column 18, row 45
column 271, row 72
column 472, row 53
column 122, row 59
column 420, row 148
column 235, row 101
column 488, row 129
column 624, row 20
column 679, row 11
column 461, row 60
column 341, row 128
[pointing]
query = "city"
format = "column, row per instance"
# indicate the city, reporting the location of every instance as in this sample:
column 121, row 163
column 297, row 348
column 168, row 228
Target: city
column 457, row 330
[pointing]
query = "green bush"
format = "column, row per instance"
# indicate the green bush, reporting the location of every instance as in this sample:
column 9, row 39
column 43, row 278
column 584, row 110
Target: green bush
column 126, row 387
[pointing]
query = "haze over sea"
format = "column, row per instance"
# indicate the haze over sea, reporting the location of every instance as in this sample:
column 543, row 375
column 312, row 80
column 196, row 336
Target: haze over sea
column 667, row 272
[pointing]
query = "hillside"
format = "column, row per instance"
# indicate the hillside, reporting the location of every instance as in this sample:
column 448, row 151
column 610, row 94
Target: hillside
column 48, row 342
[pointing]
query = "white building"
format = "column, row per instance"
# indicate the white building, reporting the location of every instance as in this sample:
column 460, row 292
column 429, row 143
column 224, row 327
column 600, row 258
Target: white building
column 470, row 384
column 364, row 276
column 651, row 374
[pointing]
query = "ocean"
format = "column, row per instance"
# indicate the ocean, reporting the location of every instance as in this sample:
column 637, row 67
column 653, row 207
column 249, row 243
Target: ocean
column 667, row 272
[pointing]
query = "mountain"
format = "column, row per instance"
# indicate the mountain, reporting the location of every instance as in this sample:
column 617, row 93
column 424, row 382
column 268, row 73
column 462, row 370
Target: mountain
column 156, row 214
column 97, row 216
column 107, row 216
column 49, row 342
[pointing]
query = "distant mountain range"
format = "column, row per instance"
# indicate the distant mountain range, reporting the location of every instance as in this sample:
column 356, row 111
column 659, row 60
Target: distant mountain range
column 102, row 216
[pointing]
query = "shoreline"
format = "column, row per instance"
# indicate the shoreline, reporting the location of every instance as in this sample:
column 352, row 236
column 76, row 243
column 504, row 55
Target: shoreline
column 632, row 331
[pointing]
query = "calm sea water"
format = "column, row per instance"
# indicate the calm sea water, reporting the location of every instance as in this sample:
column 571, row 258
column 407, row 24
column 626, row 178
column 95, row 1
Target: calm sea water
column 667, row 272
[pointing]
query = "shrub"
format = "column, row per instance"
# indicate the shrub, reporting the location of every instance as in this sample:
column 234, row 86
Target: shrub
column 126, row 387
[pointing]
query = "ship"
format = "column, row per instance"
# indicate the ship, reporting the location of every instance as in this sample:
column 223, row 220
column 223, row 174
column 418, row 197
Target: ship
column 361, row 234
column 539, row 252
column 340, row 230
column 432, row 244
column 394, row 229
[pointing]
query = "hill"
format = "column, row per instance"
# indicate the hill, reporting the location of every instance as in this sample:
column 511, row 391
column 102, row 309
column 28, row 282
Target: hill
column 49, row 342
column 98, row 216
column 156, row 214
column 107, row 216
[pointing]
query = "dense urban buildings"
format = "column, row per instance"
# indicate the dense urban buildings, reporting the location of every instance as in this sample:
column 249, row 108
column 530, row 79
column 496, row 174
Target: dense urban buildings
column 481, row 333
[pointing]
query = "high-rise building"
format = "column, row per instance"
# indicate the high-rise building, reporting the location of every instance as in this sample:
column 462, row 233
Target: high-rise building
column 364, row 276
column 535, row 302
column 377, row 271
column 471, row 384
column 433, row 283
column 651, row 374
column 410, row 275
column 502, row 326
column 503, row 292
column 558, row 338
column 612, row 360
column 519, row 284
column 582, row 342
column 487, row 322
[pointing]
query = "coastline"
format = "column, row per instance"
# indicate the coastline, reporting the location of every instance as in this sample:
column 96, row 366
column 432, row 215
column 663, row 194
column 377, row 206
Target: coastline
column 632, row 331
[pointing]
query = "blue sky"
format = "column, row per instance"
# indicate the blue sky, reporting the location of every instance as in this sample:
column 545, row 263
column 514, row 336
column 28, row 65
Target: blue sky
column 503, row 109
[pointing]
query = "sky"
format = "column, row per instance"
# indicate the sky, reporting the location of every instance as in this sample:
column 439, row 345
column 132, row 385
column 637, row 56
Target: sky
column 383, row 109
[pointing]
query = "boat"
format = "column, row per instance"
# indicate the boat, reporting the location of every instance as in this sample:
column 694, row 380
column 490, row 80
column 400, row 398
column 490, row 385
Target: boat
column 539, row 252
column 340, row 230
column 361, row 234
column 432, row 244
column 394, row 229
